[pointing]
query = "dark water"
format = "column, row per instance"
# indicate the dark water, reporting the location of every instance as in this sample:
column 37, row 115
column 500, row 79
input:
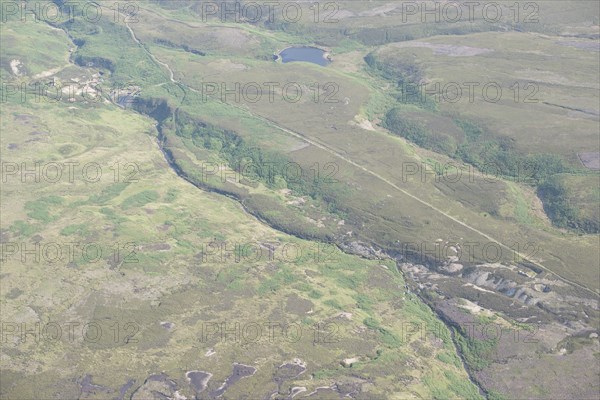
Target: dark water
column 198, row 380
column 306, row 54
column 240, row 371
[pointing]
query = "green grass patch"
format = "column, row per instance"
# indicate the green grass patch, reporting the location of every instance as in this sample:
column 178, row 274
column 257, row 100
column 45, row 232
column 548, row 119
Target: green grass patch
column 40, row 209
column 140, row 199
column 75, row 229
column 22, row 228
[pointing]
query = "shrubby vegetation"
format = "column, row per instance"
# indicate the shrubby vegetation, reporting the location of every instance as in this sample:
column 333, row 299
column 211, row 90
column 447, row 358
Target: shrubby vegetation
column 492, row 154
column 158, row 109
column 249, row 159
column 555, row 196
column 477, row 352
column 406, row 76
column 417, row 133
column 496, row 155
column 99, row 45
column 239, row 154
column 94, row 62
column 483, row 149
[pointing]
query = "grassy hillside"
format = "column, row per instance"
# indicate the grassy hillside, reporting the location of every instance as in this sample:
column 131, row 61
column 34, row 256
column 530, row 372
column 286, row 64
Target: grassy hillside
column 356, row 165
column 144, row 287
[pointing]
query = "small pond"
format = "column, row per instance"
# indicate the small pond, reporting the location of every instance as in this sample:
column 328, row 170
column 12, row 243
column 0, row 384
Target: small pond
column 305, row 54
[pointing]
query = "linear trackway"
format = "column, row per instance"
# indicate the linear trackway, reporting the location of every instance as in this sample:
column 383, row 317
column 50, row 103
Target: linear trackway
column 423, row 202
column 333, row 152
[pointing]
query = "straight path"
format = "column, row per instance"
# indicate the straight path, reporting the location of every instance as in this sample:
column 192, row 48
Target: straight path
column 331, row 151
